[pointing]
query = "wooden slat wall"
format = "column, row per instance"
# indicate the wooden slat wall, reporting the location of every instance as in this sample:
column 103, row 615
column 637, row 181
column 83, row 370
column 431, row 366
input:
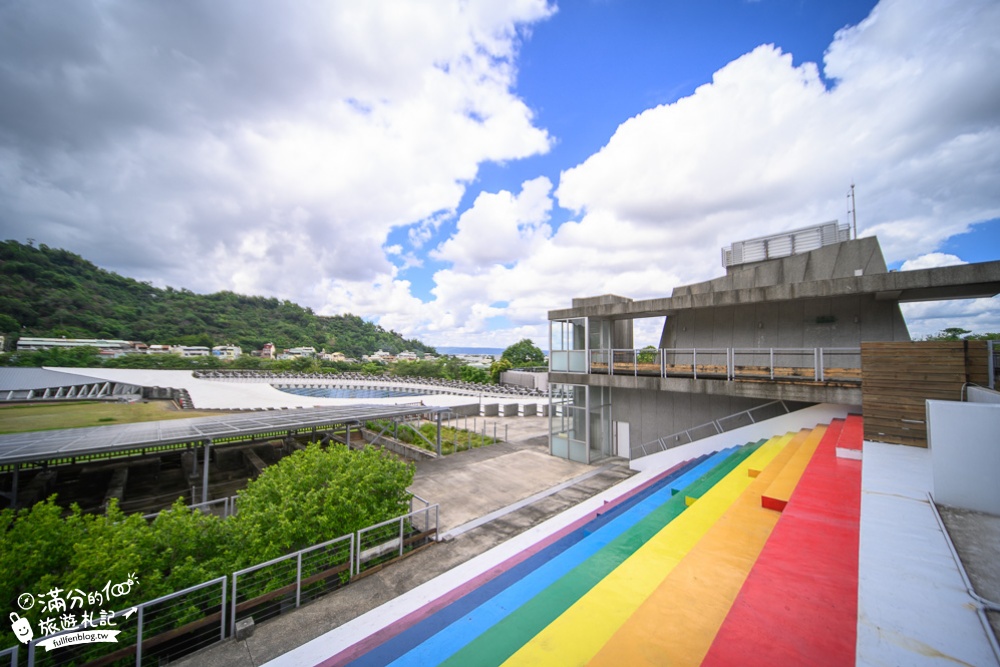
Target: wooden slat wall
column 977, row 362
column 897, row 379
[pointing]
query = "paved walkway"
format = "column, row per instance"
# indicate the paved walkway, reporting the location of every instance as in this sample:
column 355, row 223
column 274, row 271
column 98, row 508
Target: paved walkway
column 515, row 484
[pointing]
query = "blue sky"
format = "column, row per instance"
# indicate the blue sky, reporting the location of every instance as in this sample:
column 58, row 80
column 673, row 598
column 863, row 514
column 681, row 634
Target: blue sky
column 453, row 170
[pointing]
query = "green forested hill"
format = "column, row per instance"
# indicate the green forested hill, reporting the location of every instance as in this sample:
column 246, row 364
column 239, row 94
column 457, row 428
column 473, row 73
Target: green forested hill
column 51, row 292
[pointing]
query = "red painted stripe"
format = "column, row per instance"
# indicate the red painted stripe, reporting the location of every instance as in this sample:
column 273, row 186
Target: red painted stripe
column 852, row 437
column 769, row 503
column 380, row 636
column 799, row 604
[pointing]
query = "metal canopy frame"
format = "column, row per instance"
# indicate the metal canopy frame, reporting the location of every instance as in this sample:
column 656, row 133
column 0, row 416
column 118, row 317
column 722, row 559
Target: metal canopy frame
column 44, row 445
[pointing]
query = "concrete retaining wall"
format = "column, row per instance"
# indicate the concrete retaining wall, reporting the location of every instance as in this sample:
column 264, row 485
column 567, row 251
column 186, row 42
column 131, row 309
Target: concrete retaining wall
column 816, row 414
column 652, row 415
column 965, row 454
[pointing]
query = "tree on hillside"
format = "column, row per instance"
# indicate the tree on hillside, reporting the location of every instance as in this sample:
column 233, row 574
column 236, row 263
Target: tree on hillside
column 958, row 333
column 498, row 367
column 523, row 353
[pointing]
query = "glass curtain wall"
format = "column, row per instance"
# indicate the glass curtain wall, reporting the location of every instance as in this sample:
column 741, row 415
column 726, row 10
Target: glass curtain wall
column 568, row 345
column 600, row 345
column 568, row 422
column 599, row 412
column 580, row 422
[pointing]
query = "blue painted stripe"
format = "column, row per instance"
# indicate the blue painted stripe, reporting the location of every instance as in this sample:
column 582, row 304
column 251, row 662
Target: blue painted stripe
column 396, row 646
column 452, row 638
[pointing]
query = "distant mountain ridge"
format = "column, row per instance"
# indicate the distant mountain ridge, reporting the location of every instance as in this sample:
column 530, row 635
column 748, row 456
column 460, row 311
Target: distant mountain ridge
column 52, row 292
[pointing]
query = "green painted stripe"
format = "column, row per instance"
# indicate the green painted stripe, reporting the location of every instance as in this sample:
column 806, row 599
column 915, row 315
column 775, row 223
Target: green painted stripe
column 502, row 640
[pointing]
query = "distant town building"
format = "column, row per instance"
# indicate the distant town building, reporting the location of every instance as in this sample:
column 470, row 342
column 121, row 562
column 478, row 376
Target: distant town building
column 268, row 351
column 293, row 352
column 406, row 356
column 107, row 347
column 157, row 349
column 191, row 350
column 333, row 356
column 477, row 360
column 380, row 357
column 227, row 352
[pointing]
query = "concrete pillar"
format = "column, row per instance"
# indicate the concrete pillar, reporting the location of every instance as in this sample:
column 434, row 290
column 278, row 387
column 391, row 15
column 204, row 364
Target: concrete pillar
column 204, row 473
column 439, row 434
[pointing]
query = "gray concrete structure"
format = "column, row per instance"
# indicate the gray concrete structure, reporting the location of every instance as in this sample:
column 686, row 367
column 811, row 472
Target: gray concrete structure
column 785, row 329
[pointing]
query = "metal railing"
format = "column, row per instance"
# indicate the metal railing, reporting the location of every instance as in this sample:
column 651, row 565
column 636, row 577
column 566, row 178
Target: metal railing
column 423, row 501
column 714, row 427
column 180, row 623
column 387, row 541
column 167, row 628
column 281, row 584
column 227, row 505
column 813, row 364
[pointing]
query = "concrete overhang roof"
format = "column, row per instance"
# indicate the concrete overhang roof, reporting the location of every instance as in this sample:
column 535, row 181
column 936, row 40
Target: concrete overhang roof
column 966, row 281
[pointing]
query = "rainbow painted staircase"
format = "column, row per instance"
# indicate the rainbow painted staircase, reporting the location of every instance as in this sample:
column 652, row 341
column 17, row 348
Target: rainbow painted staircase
column 747, row 556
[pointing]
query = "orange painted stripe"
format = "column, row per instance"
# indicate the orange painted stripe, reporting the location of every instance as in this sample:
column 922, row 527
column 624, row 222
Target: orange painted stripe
column 780, row 490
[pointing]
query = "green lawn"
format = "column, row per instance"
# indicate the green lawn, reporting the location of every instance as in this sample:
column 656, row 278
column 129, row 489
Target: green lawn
column 50, row 416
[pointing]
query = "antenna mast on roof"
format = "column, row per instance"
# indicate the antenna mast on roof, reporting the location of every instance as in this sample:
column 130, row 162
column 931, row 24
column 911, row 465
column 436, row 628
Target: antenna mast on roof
column 853, row 212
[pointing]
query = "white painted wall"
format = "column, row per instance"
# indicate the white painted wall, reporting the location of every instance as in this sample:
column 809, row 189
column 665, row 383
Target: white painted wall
column 793, row 421
column 964, row 439
column 982, row 395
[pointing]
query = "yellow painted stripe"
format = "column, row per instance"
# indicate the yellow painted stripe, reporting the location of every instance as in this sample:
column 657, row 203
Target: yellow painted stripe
column 783, row 486
column 580, row 632
column 677, row 624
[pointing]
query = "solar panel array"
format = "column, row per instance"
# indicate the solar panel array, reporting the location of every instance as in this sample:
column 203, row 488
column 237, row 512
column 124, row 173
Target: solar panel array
column 45, row 445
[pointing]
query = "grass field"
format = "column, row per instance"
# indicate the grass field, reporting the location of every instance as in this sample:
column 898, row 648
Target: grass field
column 50, row 416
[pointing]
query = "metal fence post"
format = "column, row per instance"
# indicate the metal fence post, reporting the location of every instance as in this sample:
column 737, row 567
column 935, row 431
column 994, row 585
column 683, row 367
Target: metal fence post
column 402, row 523
column 991, row 362
column 222, row 613
column 694, row 362
column 138, row 637
column 233, row 623
column 298, row 580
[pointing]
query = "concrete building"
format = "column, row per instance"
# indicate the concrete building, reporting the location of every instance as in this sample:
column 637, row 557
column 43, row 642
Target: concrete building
column 227, row 352
column 780, row 330
column 191, row 350
column 107, row 347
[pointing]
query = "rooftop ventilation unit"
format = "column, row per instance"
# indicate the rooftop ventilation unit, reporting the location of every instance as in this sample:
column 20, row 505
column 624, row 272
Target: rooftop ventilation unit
column 786, row 244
